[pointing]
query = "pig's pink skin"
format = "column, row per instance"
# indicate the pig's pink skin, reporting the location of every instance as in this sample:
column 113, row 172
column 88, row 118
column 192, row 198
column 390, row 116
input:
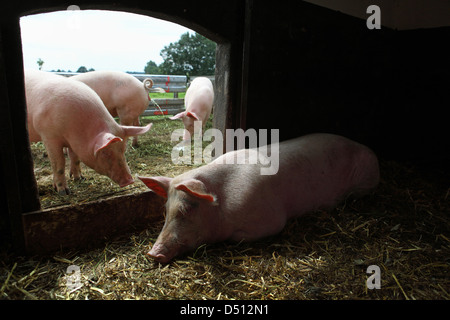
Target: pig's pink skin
column 315, row 172
column 198, row 100
column 123, row 95
column 66, row 113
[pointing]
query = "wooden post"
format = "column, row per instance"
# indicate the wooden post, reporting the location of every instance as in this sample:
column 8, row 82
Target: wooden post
column 21, row 191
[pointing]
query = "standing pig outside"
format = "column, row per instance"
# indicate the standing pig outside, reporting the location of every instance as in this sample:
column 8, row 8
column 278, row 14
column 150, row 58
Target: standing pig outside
column 198, row 100
column 221, row 201
column 66, row 113
column 123, row 95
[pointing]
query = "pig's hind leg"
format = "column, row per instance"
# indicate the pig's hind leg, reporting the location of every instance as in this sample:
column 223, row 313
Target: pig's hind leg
column 128, row 118
column 56, row 156
column 75, row 168
column 136, row 123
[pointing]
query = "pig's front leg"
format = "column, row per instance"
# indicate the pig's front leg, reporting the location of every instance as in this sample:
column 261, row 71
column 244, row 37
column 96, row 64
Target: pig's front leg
column 75, row 169
column 56, row 156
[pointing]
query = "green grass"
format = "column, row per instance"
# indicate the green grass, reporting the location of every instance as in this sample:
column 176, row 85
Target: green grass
column 167, row 95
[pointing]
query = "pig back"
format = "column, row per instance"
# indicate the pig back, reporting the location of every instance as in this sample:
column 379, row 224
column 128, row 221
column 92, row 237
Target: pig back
column 315, row 172
column 61, row 107
column 318, row 170
column 106, row 84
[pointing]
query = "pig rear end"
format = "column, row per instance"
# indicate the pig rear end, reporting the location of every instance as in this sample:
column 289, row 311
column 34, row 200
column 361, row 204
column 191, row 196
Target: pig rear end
column 124, row 95
column 199, row 102
column 366, row 173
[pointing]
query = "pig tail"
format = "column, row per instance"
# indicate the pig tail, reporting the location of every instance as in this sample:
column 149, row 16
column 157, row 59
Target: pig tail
column 148, row 83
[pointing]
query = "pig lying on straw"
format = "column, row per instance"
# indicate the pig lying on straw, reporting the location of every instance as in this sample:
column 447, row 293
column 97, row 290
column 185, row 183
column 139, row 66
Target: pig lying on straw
column 222, row 201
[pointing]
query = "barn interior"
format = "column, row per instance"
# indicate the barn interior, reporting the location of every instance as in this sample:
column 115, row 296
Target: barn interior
column 297, row 66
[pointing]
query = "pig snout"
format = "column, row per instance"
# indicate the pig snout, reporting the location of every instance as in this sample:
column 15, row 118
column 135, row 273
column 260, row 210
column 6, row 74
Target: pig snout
column 166, row 248
column 126, row 182
column 122, row 177
column 158, row 253
column 111, row 162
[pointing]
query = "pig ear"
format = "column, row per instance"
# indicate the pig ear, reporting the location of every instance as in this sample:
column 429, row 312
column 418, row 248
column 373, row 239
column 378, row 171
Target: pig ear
column 104, row 140
column 158, row 185
column 192, row 115
column 130, row 131
column 178, row 116
column 195, row 188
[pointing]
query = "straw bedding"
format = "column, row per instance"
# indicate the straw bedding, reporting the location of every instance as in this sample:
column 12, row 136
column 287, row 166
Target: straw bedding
column 403, row 227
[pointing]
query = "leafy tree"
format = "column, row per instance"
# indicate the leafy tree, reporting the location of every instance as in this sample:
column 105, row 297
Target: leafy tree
column 151, row 68
column 83, row 69
column 192, row 55
column 40, row 63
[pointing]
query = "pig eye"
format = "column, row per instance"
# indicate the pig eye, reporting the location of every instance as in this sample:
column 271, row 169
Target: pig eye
column 187, row 205
column 192, row 204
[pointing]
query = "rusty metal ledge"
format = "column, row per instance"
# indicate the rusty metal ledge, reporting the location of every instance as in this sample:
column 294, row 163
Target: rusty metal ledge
column 89, row 224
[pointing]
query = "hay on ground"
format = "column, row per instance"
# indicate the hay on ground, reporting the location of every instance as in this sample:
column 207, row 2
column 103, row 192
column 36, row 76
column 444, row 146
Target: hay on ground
column 403, row 227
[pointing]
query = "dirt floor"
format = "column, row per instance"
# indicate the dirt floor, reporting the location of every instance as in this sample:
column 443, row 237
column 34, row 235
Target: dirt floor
column 403, row 228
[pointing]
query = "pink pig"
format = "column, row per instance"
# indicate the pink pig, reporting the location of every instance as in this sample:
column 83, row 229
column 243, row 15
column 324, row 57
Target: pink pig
column 123, row 95
column 63, row 113
column 198, row 100
column 222, row 201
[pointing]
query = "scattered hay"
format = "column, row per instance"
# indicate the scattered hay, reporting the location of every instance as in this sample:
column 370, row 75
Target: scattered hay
column 403, row 227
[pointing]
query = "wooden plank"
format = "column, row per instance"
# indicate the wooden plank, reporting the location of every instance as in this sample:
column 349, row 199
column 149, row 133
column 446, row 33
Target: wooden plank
column 90, row 224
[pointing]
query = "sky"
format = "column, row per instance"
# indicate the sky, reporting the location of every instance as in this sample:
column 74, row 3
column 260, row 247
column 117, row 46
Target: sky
column 103, row 40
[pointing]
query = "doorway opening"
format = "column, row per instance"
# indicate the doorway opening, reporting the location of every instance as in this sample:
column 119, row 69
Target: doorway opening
column 76, row 41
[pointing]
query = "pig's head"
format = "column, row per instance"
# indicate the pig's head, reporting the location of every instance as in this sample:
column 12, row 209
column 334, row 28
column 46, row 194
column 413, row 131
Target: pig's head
column 188, row 118
column 109, row 154
column 189, row 216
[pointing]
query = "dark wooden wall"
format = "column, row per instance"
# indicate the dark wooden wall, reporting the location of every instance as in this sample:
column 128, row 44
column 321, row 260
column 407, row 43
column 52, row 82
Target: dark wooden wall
column 314, row 69
column 286, row 64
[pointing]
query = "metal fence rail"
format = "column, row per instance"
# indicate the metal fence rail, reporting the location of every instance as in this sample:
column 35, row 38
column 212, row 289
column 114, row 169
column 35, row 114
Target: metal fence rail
column 170, row 84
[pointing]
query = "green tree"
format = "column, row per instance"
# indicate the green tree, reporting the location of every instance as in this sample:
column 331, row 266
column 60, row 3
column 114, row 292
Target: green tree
column 192, row 55
column 151, row 68
column 82, row 69
column 40, row 63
